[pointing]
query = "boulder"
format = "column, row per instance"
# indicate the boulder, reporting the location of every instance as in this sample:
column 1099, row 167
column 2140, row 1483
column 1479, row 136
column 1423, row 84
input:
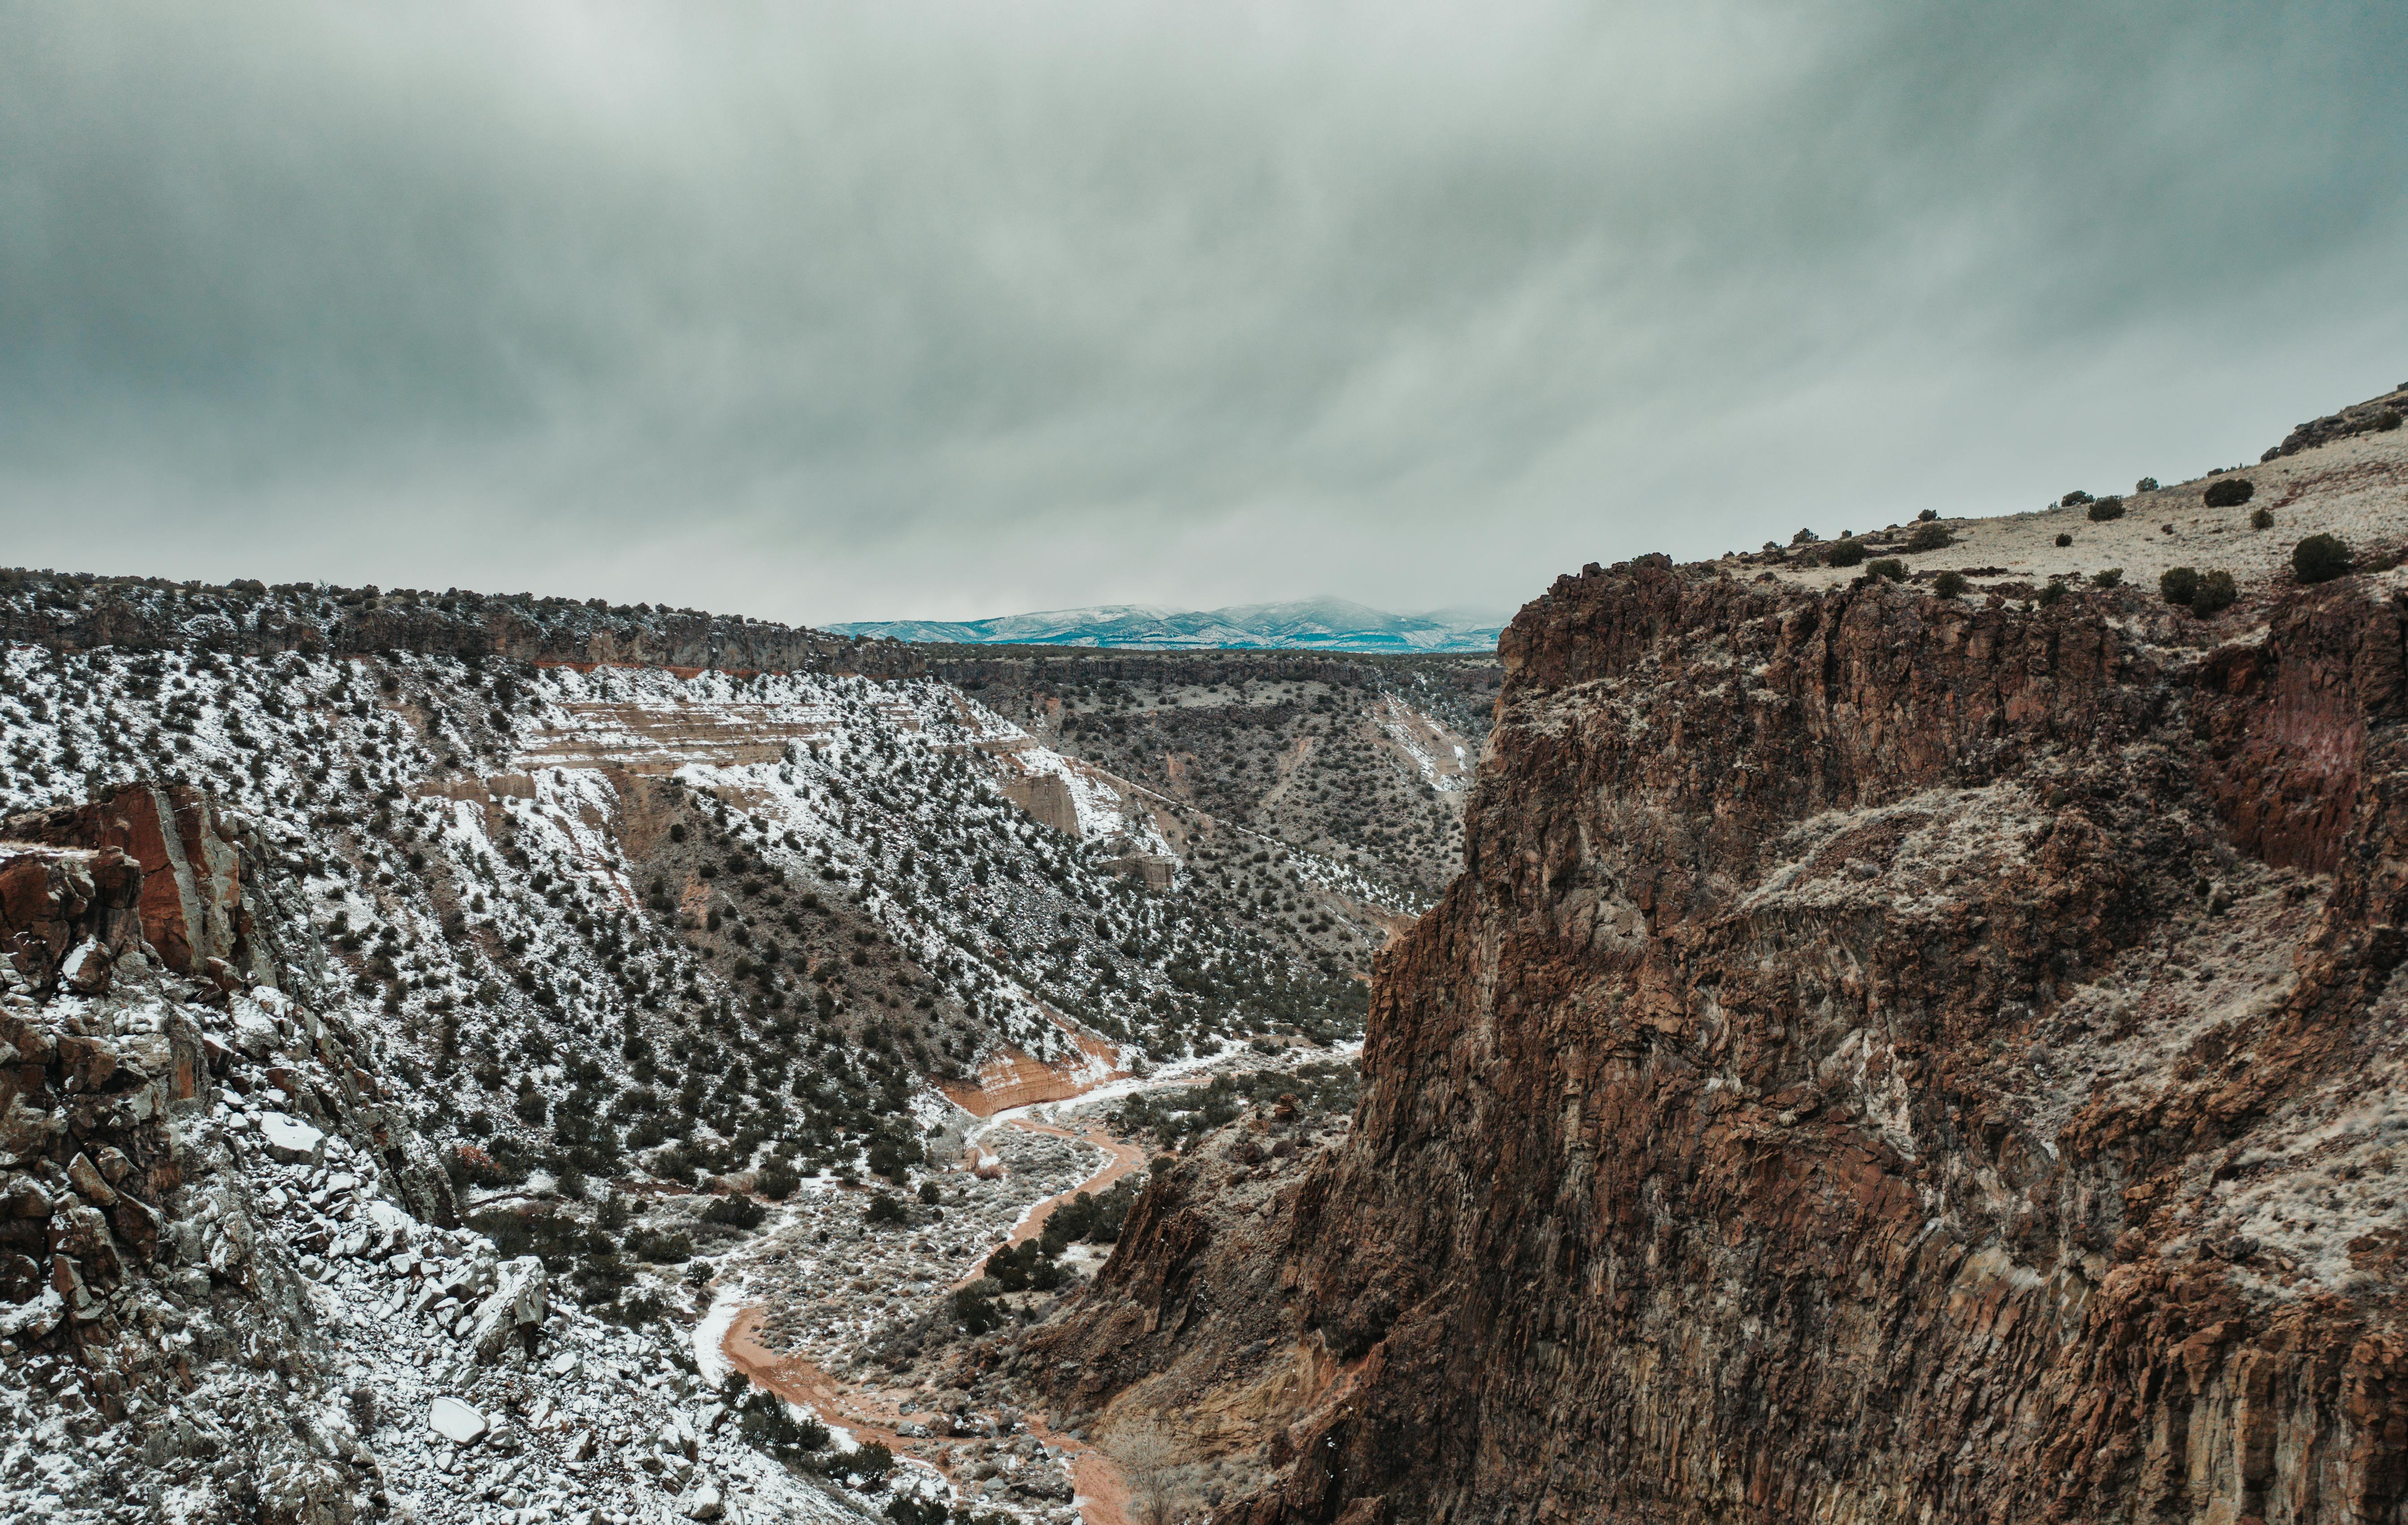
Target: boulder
column 290, row 1140
column 315, row 1492
column 89, row 1183
column 136, row 1224
column 86, row 970
column 517, row 1302
column 20, row 1279
column 82, row 1233
column 455, row 1422
column 26, row 1129
column 22, row 1196
column 703, row 1503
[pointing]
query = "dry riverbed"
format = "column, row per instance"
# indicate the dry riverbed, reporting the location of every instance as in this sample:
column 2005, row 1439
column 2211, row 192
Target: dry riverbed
column 854, row 1322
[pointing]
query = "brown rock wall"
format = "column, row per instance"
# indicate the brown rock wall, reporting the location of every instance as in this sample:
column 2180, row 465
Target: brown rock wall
column 1833, row 1090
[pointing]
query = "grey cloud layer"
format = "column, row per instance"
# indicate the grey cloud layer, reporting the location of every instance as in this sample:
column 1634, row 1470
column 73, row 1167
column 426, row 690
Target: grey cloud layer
column 953, row 309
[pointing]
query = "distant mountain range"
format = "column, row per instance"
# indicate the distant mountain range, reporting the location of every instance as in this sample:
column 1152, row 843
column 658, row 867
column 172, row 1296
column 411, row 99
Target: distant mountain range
column 1324, row 624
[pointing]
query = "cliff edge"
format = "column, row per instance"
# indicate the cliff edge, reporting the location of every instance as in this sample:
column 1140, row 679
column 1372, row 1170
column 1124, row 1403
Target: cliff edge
column 1887, row 1057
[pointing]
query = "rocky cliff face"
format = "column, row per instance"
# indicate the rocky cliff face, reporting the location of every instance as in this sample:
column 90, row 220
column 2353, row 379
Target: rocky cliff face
column 1887, row 1058
column 153, row 1321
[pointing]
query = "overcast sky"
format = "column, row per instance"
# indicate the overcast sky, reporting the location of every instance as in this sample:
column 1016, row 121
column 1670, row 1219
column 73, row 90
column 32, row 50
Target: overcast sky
column 830, row 311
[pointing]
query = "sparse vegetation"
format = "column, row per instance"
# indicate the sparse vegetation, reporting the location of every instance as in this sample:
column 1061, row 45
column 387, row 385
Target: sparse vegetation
column 660, row 1247
column 1018, row 1268
column 1928, row 535
column 1949, row 585
column 2178, row 585
column 2052, row 595
column 2229, row 493
column 2320, row 558
column 1888, row 567
column 2063, row 540
column 2146, row 484
column 1089, row 1217
column 871, row 1464
column 974, row 1305
column 2106, row 508
column 1846, row 553
column 2111, row 577
column 2216, row 592
column 735, row 1212
column 1173, row 1117
column 2261, row 518
column 767, row 1425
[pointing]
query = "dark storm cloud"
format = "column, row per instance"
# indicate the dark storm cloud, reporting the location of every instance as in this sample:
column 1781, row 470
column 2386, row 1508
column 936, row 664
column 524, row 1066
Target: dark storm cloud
column 956, row 309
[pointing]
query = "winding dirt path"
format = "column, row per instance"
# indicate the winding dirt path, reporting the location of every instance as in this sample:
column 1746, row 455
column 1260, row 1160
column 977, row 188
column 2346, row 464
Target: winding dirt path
column 876, row 1414
column 1125, row 1157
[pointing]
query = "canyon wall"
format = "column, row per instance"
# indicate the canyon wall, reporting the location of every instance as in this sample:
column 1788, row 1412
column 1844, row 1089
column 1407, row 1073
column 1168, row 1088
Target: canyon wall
column 1885, row 1058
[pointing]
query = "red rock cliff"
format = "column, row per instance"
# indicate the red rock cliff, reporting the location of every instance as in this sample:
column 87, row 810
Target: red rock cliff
column 1885, row 1059
column 154, row 865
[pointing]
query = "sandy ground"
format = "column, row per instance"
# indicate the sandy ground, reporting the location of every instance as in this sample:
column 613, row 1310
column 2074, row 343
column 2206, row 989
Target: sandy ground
column 1015, row 1079
column 2356, row 488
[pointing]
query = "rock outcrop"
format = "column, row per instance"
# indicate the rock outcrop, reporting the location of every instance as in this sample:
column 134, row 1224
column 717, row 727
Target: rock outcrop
column 1887, row 1058
column 2375, row 415
column 184, row 898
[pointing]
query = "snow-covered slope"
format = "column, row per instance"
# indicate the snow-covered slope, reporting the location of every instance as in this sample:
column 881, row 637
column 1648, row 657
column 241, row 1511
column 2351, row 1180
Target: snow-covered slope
column 605, row 947
column 576, row 967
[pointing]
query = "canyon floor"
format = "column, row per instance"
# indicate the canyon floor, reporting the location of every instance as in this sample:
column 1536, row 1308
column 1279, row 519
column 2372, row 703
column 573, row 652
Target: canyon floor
column 856, row 1325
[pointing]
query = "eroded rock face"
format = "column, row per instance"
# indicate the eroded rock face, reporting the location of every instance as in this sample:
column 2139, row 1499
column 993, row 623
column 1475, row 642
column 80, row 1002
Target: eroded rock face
column 1885, row 1059
column 153, row 864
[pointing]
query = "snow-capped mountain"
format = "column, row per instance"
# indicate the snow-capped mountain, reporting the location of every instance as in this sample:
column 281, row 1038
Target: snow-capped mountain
column 1330, row 624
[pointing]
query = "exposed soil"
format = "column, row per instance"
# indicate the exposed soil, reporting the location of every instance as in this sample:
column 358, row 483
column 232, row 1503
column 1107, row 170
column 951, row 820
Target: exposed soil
column 1013, row 1078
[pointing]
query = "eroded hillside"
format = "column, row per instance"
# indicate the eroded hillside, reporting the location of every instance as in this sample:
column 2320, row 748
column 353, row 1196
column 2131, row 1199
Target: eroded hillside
column 1363, row 762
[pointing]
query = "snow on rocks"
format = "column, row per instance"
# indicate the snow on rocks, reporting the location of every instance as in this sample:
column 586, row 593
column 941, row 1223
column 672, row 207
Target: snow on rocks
column 513, row 1309
column 455, row 1422
column 290, row 1140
